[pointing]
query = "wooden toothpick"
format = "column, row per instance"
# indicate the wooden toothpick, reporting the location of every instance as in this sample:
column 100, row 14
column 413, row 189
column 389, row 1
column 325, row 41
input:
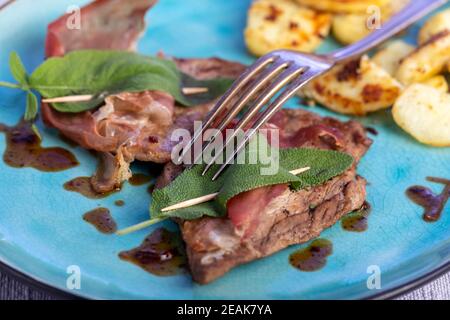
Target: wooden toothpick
column 194, row 90
column 87, row 97
column 79, row 98
column 209, row 197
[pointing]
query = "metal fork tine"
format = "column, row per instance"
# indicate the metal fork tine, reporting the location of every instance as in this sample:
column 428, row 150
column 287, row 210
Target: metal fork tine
column 265, row 97
column 260, row 64
column 249, row 93
column 267, row 114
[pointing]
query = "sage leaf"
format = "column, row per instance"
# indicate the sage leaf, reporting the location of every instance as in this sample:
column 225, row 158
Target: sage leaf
column 188, row 185
column 101, row 73
column 324, row 164
column 104, row 72
column 31, row 108
column 36, row 131
column 18, row 70
column 240, row 178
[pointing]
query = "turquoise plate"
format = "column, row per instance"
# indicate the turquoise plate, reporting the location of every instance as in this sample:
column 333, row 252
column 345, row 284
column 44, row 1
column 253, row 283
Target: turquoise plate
column 42, row 233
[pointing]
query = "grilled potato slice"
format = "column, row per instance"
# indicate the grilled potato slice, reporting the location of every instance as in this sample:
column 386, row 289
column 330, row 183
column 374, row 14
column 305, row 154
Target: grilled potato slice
column 349, row 28
column 342, row 6
column 424, row 112
column 390, row 56
column 434, row 26
column 428, row 60
column 283, row 24
column 352, row 27
column 439, row 83
column 357, row 87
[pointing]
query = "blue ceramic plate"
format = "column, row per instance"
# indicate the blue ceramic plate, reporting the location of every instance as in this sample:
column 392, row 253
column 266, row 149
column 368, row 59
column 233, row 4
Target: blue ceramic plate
column 42, row 233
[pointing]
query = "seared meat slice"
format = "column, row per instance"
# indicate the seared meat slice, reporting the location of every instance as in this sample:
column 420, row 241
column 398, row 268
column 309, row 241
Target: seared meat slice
column 130, row 125
column 263, row 221
column 212, row 68
column 103, row 24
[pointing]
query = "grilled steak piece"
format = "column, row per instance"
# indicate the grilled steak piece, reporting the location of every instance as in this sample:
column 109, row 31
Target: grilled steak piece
column 263, row 221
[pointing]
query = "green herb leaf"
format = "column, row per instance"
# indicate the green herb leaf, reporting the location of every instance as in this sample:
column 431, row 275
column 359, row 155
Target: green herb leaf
column 31, row 108
column 188, row 185
column 324, row 165
column 216, row 88
column 237, row 179
column 36, row 131
column 104, row 72
column 9, row 85
column 18, row 70
column 101, row 73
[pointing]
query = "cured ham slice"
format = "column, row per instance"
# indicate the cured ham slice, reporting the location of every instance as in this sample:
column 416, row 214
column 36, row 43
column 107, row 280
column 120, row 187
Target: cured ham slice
column 129, row 126
column 102, row 24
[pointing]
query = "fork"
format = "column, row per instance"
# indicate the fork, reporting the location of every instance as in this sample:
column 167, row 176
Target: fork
column 290, row 70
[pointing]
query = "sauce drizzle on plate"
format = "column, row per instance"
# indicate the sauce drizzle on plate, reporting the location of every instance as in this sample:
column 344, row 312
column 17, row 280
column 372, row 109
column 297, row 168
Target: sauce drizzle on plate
column 357, row 221
column 102, row 220
column 83, row 186
column 162, row 253
column 313, row 257
column 23, row 149
column 432, row 203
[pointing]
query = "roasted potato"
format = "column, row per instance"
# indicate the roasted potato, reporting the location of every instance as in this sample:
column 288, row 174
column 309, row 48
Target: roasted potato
column 351, row 27
column 428, row 60
column 357, row 87
column 424, row 112
column 390, row 56
column 434, row 26
column 283, row 24
column 438, row 82
column 342, row 6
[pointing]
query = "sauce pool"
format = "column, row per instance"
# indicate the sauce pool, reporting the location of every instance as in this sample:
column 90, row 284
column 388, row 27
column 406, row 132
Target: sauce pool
column 23, row 149
column 162, row 253
column 357, row 221
column 313, row 257
column 102, row 220
column 433, row 204
column 139, row 179
column 83, row 186
column 119, row 203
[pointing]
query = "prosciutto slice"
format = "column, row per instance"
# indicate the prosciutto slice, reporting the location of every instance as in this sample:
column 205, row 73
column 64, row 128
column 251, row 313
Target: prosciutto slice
column 102, row 24
column 129, row 126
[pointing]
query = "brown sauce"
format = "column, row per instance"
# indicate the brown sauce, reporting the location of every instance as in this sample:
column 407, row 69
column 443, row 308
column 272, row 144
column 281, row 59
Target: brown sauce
column 162, row 253
column 372, row 131
column 83, row 186
column 23, row 149
column 102, row 220
column 139, row 179
column 119, row 203
column 357, row 221
column 433, row 204
column 313, row 257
